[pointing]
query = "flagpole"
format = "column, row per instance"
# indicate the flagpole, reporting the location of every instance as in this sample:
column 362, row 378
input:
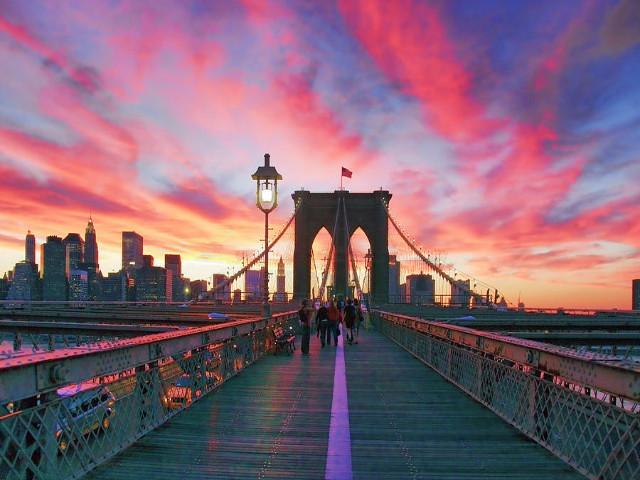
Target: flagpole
column 341, row 179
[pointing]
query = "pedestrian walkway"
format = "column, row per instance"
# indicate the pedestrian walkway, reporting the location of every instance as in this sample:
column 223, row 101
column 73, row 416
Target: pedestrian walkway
column 276, row 420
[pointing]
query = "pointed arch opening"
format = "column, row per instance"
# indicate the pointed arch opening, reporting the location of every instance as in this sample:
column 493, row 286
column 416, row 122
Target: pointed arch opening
column 320, row 250
column 360, row 265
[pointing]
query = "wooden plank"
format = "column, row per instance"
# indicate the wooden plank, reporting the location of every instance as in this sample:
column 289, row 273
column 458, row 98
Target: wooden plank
column 408, row 422
column 271, row 421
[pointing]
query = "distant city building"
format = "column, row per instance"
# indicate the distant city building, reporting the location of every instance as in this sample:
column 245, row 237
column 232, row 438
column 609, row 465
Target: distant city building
column 421, row 289
column 147, row 261
column 461, row 293
column 24, row 285
column 94, row 279
column 30, row 248
column 402, row 296
column 79, row 285
column 132, row 248
column 91, row 245
column 281, row 295
column 237, row 295
column 173, row 264
column 198, row 289
column 221, row 293
column 54, row 280
column 74, row 253
column 394, row 278
column 635, row 287
column 4, row 286
column 151, row 282
column 253, row 280
column 114, row 287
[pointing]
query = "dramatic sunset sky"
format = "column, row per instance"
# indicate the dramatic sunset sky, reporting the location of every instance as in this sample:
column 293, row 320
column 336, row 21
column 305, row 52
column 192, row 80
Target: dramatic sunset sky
column 508, row 131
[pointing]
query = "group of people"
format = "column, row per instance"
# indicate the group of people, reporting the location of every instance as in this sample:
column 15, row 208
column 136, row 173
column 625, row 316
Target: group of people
column 328, row 320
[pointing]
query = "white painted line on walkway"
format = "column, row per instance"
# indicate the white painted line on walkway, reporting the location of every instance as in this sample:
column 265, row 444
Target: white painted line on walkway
column 339, row 451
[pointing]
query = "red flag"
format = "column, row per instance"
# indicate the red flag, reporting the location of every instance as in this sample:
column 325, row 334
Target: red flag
column 346, row 173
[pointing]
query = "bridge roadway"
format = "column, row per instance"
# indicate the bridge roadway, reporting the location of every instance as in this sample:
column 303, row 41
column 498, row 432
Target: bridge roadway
column 274, row 421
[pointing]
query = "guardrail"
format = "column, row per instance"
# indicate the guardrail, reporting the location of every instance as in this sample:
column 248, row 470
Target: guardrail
column 582, row 407
column 65, row 412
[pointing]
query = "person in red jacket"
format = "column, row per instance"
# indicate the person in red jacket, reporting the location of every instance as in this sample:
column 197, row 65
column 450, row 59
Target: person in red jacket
column 334, row 317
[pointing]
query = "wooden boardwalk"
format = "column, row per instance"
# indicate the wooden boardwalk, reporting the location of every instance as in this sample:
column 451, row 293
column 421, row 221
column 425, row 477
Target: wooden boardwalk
column 272, row 421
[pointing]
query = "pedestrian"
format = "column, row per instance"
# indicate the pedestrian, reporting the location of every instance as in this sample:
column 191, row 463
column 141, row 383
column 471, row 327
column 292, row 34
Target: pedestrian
column 305, row 313
column 334, row 316
column 322, row 324
column 359, row 319
column 349, row 320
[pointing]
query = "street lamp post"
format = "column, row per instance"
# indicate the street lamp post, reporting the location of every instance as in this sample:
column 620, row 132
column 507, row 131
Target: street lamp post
column 266, row 178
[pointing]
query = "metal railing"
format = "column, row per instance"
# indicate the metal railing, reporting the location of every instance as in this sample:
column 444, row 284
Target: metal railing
column 65, row 412
column 582, row 407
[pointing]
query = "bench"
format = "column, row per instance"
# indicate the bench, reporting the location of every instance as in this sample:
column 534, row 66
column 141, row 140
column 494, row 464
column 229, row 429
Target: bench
column 285, row 341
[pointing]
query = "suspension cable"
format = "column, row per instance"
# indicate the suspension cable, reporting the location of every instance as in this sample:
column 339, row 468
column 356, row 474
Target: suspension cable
column 350, row 251
column 434, row 266
column 225, row 283
column 325, row 273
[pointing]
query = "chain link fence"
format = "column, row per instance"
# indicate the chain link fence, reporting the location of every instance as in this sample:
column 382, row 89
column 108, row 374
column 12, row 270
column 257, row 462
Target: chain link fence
column 65, row 432
column 594, row 431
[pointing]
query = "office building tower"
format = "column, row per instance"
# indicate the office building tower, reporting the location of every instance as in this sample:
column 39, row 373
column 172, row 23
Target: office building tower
column 220, row 289
column 30, row 248
column 114, row 287
column 635, row 288
column 421, row 289
column 25, row 285
column 461, row 293
column 198, row 289
column 132, row 247
column 74, row 253
column 54, row 279
column 253, row 280
column 281, row 295
column 78, row 285
column 151, row 282
column 173, row 264
column 237, row 295
column 91, row 245
column 394, row 279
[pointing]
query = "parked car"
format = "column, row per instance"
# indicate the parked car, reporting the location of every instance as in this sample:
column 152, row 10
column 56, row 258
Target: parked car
column 89, row 408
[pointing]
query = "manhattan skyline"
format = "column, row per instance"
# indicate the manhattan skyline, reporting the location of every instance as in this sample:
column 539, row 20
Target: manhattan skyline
column 508, row 133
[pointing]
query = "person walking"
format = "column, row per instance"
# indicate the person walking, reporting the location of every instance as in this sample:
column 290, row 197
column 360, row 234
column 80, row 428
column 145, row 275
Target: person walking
column 334, row 316
column 305, row 313
column 349, row 320
column 359, row 319
column 322, row 323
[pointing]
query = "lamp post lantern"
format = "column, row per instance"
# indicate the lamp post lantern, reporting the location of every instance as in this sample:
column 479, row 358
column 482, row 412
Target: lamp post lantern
column 266, row 178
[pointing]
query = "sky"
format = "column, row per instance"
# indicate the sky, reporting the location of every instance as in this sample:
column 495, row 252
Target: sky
column 507, row 132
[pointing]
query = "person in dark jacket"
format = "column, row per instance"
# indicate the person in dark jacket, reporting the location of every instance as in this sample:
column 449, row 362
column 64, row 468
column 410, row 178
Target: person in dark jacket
column 322, row 321
column 350, row 317
column 305, row 313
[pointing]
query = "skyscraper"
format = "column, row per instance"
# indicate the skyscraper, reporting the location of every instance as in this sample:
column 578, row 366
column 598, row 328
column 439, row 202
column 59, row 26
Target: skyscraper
column 25, row 282
column 74, row 252
column 253, row 285
column 421, row 289
column 91, row 245
column 132, row 247
column 173, row 264
column 281, row 295
column 78, row 285
column 54, row 280
column 223, row 293
column 461, row 293
column 151, row 282
column 635, row 301
column 30, row 248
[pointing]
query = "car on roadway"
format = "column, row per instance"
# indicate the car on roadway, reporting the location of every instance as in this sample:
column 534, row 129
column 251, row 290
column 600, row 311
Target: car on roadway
column 87, row 408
